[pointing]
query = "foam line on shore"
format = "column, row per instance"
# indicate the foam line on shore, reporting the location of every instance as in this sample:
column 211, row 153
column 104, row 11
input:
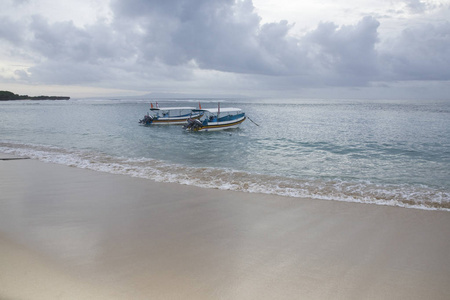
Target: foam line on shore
column 361, row 191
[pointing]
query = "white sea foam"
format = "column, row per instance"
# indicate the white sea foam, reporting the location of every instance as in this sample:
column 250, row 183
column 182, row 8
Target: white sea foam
column 417, row 196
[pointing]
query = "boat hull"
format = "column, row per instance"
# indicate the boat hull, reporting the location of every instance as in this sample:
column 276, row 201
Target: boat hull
column 216, row 126
column 171, row 120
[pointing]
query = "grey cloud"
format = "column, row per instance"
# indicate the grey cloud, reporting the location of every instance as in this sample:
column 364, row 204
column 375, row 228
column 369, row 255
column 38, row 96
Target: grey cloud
column 62, row 40
column 159, row 40
column 225, row 40
column 347, row 54
column 11, row 31
column 419, row 53
column 67, row 73
column 70, row 54
column 219, row 35
column 20, row 2
column 65, row 41
column 416, row 6
column 179, row 9
column 228, row 36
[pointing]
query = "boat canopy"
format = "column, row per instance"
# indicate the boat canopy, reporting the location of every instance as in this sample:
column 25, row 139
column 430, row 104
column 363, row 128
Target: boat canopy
column 216, row 110
column 172, row 108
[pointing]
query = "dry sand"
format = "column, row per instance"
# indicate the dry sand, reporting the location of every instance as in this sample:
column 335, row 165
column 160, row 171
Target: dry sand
column 68, row 233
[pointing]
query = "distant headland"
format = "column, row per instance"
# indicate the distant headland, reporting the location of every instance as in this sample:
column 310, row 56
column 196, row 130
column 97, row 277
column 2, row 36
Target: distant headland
column 7, row 96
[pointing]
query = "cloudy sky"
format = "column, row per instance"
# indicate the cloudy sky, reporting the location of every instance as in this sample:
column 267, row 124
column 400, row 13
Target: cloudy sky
column 264, row 48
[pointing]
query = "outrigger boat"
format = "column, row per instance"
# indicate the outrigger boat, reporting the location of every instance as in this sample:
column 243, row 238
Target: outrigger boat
column 169, row 115
column 214, row 119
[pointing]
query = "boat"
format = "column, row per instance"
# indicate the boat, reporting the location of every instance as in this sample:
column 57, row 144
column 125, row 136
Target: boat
column 214, row 119
column 169, row 115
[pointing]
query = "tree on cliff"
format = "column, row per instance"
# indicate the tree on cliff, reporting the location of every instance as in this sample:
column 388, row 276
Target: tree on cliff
column 6, row 95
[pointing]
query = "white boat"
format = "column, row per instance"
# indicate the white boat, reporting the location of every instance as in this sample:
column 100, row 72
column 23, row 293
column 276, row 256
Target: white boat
column 169, row 115
column 214, row 119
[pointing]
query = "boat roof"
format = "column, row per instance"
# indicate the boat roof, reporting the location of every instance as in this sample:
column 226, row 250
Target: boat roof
column 171, row 108
column 216, row 110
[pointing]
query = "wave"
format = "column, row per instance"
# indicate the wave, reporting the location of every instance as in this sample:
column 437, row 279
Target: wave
column 404, row 195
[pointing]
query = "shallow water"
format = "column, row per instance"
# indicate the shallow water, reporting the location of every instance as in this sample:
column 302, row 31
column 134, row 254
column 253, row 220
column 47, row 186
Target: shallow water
column 384, row 152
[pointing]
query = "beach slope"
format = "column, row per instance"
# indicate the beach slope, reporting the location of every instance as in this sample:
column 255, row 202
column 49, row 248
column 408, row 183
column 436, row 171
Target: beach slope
column 82, row 234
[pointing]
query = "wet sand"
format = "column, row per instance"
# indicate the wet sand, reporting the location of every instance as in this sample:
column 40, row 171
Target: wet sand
column 80, row 234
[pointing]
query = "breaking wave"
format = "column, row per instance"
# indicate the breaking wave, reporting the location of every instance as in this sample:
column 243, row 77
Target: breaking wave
column 404, row 195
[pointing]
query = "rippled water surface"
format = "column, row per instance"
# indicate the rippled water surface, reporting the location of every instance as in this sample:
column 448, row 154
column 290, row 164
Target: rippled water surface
column 385, row 152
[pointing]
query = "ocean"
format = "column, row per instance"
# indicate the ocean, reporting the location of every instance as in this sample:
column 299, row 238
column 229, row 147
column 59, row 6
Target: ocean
column 394, row 153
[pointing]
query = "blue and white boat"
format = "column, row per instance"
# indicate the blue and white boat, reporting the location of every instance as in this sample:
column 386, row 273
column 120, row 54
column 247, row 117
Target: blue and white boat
column 169, row 115
column 214, row 119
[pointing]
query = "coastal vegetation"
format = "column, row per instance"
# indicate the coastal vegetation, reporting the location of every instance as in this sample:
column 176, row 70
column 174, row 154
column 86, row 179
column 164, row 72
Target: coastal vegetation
column 7, row 96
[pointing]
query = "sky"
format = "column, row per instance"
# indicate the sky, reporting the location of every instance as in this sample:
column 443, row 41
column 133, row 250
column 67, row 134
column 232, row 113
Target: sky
column 374, row 49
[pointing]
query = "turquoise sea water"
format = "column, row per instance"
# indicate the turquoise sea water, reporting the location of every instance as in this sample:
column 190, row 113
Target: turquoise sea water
column 384, row 152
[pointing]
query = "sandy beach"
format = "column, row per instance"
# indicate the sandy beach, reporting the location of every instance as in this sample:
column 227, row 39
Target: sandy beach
column 70, row 233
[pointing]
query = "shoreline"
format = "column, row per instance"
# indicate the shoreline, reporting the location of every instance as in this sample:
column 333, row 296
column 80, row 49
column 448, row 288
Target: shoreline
column 406, row 195
column 142, row 239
